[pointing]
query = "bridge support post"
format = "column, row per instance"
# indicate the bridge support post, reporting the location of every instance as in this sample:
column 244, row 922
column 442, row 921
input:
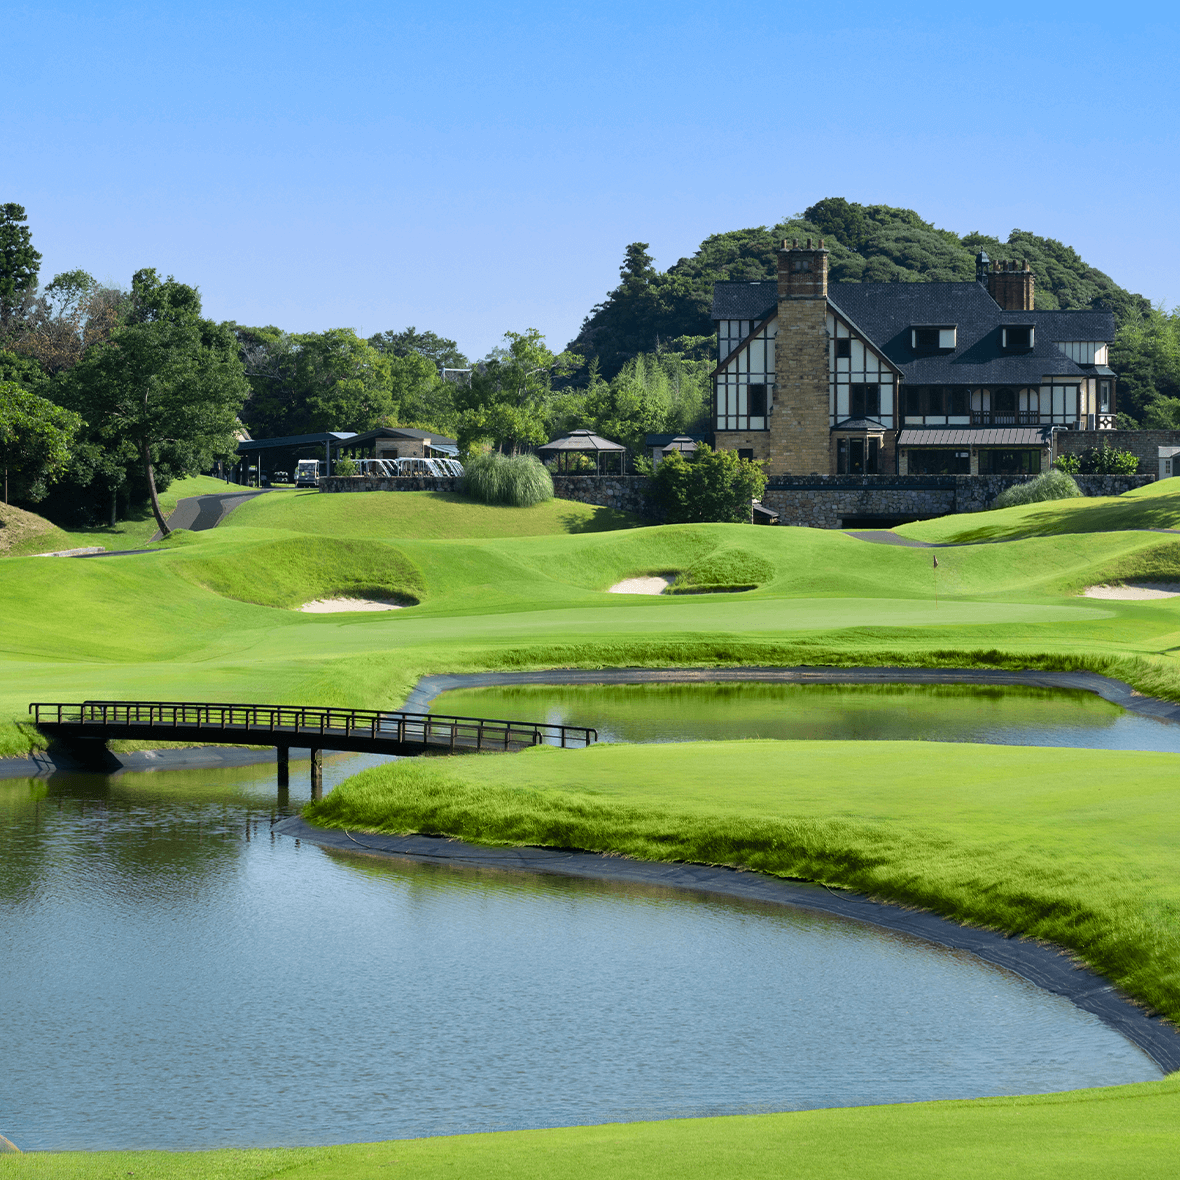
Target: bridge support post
column 317, row 774
column 284, row 773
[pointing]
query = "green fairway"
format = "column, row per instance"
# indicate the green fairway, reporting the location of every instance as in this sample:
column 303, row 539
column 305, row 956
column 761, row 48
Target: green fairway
column 209, row 616
column 1156, row 506
column 421, row 514
column 1119, row 1133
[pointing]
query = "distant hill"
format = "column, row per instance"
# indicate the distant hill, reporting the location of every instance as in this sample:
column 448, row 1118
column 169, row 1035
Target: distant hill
column 868, row 243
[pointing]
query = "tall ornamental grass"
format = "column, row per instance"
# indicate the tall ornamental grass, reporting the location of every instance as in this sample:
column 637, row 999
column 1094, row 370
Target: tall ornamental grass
column 515, row 480
column 1050, row 485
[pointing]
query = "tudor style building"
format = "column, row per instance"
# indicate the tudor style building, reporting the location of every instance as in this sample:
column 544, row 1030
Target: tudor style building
column 909, row 378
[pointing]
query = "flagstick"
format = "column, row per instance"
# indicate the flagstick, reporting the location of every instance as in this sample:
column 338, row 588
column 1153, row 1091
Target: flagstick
column 935, row 556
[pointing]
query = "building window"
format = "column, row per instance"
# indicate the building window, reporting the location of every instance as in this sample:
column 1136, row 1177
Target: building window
column 933, row 339
column 1104, row 397
column 746, row 453
column 996, row 462
column 757, row 401
column 857, row 456
column 927, row 461
column 843, row 347
column 1018, row 338
column 1004, row 406
column 864, row 401
column 801, row 265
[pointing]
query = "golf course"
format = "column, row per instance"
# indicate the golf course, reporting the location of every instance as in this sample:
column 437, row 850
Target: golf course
column 1075, row 847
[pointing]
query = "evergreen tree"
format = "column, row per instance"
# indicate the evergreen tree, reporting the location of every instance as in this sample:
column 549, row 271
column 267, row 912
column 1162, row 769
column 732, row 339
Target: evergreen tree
column 19, row 265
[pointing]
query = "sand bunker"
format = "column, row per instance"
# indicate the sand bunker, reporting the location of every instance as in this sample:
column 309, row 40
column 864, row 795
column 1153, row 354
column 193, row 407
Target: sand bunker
column 652, row 585
column 1140, row 591
column 332, row 606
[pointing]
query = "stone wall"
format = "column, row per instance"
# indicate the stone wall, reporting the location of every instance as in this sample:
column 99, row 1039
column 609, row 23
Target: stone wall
column 625, row 493
column 1142, row 444
column 822, row 502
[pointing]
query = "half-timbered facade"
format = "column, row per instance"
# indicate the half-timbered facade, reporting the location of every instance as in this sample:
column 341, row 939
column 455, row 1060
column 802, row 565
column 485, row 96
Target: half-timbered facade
column 918, row 378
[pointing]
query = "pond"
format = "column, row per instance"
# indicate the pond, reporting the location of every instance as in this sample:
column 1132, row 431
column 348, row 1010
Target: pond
column 176, row 976
column 703, row 711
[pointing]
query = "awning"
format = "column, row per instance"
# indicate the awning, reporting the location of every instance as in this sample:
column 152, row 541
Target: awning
column 582, row 440
column 995, row 436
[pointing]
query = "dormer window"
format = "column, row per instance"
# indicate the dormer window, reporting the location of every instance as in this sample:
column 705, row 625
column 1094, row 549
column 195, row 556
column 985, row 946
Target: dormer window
column 934, row 338
column 1018, row 337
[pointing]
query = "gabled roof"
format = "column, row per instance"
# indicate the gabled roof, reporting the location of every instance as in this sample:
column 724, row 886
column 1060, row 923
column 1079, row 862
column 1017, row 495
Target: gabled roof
column 294, row 440
column 403, row 432
column 582, row 440
column 885, row 313
column 744, row 301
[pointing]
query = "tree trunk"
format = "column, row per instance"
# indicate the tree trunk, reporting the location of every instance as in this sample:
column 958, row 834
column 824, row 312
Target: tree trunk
column 146, row 455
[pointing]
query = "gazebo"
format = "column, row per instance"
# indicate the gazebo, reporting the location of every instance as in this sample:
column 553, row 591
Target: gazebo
column 584, row 442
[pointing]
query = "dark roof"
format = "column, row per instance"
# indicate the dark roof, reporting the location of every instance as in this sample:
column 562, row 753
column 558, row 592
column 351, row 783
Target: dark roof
column 294, row 440
column 990, row 436
column 582, row 440
column 662, row 440
column 859, row 424
column 762, row 510
column 744, row 301
column 402, row 432
column 885, row 312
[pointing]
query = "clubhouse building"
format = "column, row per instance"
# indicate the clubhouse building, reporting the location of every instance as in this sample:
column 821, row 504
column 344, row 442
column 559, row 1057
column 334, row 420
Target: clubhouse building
column 819, row 379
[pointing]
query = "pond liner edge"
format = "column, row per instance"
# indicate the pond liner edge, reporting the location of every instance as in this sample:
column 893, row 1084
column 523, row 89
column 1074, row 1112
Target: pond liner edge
column 1045, row 965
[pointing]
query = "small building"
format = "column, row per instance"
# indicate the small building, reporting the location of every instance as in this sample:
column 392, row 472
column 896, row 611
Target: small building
column 401, row 442
column 585, row 442
column 655, row 444
column 279, row 456
column 1169, row 462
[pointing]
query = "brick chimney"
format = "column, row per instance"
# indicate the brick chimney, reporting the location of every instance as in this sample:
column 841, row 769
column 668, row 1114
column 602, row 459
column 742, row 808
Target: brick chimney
column 1011, row 285
column 803, row 270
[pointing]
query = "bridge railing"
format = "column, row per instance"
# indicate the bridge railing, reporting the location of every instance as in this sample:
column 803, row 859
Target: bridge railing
column 308, row 722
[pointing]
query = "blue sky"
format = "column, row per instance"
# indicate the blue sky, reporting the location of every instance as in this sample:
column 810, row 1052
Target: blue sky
column 472, row 169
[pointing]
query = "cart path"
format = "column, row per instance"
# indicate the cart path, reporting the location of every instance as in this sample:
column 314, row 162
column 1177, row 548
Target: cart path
column 1043, row 964
column 198, row 513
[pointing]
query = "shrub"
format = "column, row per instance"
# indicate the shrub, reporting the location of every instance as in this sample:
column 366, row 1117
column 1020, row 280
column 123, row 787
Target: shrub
column 1106, row 460
column 1050, row 485
column 517, row 480
column 345, row 466
column 712, row 485
column 1070, row 464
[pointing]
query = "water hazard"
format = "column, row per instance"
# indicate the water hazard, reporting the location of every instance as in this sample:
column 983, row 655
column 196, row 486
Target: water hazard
column 705, row 711
column 174, row 976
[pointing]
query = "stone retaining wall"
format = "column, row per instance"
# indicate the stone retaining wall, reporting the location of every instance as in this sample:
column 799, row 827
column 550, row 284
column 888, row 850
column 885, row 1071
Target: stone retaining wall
column 823, row 502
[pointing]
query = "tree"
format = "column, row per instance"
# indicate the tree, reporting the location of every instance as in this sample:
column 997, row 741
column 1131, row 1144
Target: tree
column 19, row 264
column 443, row 352
column 73, row 313
column 312, row 382
column 510, row 395
column 168, row 382
column 711, row 485
column 35, row 441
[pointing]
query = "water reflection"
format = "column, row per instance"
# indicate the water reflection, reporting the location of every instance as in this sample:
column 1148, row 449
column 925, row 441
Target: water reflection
column 871, row 712
column 176, row 977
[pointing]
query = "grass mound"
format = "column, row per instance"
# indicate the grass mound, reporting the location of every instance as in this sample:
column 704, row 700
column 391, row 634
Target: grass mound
column 291, row 572
column 419, row 515
column 516, row 480
column 1049, row 485
column 728, row 568
column 24, row 532
column 1154, row 506
column 1073, row 846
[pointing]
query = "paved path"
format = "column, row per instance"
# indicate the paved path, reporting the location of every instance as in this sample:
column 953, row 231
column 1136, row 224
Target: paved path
column 1045, row 965
column 198, row 513
column 885, row 537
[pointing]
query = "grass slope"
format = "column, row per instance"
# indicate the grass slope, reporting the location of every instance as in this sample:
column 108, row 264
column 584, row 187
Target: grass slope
column 1118, row 1133
column 1074, row 846
column 22, row 533
column 1156, row 506
column 437, row 515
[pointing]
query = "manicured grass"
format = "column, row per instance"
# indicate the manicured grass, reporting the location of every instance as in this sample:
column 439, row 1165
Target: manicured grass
column 437, row 515
column 1117, row 1133
column 206, row 618
column 1156, row 506
column 1075, row 846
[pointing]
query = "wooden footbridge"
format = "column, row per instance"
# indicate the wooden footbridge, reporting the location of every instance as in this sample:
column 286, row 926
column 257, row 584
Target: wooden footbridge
column 85, row 729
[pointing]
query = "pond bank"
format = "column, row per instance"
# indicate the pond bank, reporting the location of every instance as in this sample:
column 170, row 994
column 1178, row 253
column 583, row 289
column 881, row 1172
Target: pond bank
column 1047, row 966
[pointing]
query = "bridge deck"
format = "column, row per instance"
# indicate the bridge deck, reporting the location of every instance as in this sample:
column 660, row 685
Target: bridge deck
column 284, row 726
